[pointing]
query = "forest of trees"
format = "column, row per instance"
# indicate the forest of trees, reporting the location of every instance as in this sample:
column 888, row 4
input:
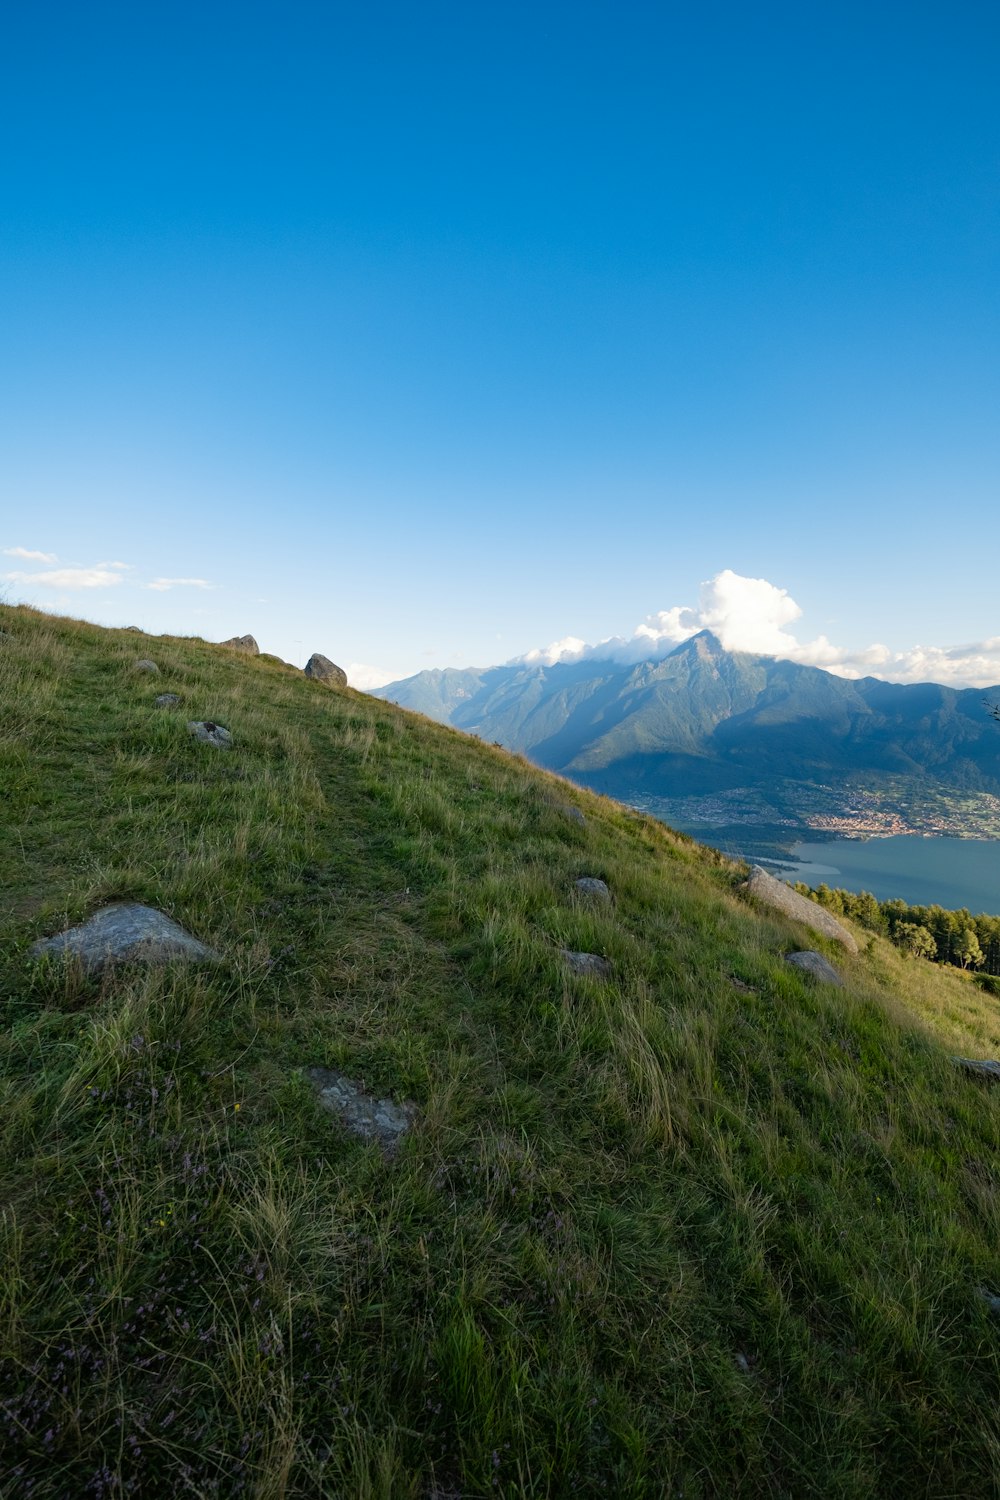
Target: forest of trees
column 931, row 932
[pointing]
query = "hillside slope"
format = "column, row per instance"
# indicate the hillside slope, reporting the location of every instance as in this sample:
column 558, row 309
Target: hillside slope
column 700, row 1228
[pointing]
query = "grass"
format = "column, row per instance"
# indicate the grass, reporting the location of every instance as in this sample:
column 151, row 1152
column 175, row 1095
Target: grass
column 660, row 1235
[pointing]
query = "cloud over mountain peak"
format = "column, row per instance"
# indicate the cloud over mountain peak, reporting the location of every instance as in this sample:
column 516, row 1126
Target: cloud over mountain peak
column 755, row 615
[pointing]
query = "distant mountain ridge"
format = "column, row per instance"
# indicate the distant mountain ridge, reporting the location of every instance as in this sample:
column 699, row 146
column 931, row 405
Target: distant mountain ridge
column 705, row 720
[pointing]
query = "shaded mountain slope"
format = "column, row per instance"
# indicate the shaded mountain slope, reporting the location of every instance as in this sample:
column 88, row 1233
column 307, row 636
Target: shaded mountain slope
column 704, row 1227
column 706, row 718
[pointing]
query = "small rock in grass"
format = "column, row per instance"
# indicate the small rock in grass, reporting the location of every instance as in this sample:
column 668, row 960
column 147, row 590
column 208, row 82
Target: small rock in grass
column 124, row 932
column 586, row 963
column 569, row 811
column 134, row 629
column 322, row 669
column 146, row 666
column 991, row 1299
column 210, row 733
column 984, row 1066
column 166, row 700
column 365, row 1116
column 589, row 885
column 816, row 965
column 243, row 643
column 738, row 984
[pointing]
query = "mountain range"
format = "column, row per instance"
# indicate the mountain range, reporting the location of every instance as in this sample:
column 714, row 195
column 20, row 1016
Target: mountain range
column 795, row 742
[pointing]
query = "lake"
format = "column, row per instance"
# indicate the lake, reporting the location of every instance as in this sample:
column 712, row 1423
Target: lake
column 923, row 871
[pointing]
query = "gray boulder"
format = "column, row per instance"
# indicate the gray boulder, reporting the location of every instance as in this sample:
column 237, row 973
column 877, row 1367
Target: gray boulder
column 816, row 965
column 365, row 1116
column 589, row 885
column 984, row 1066
column 591, row 964
column 243, row 643
column 322, row 669
column 166, row 700
column 210, row 733
column 124, row 932
column 146, row 666
column 776, row 894
column 567, row 810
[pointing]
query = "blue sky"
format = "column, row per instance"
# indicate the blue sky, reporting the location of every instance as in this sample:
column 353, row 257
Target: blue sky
column 427, row 335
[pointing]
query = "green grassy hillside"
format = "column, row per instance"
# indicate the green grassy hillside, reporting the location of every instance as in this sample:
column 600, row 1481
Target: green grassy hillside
column 701, row 1229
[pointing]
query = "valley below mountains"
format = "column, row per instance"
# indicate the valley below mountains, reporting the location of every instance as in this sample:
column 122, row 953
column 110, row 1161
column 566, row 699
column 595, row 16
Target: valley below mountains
column 751, row 750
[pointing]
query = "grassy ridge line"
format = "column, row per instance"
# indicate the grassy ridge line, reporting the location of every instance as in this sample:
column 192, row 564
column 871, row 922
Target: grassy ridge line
column 653, row 1236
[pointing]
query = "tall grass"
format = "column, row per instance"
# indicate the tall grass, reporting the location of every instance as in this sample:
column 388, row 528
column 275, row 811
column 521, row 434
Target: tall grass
column 701, row 1228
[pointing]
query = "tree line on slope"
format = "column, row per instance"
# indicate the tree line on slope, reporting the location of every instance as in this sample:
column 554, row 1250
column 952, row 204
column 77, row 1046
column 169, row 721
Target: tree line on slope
column 931, row 932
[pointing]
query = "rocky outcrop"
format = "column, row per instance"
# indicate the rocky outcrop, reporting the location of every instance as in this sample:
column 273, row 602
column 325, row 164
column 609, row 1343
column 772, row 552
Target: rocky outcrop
column 372, row 1119
column 781, row 897
column 124, row 932
column 985, row 1067
column 815, row 965
column 210, row 733
column 242, row 643
column 322, row 669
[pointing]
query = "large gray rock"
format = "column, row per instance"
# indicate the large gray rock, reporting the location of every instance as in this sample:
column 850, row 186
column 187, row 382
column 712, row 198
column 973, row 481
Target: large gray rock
column 124, row 932
column 322, row 669
column 365, row 1116
column 781, row 897
column 242, row 643
column 589, row 885
column 591, row 964
column 984, row 1066
column 210, row 733
column 816, row 965
column 145, row 665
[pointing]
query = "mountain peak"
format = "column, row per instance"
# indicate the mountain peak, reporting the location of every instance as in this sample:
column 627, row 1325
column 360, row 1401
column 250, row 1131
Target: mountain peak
column 705, row 646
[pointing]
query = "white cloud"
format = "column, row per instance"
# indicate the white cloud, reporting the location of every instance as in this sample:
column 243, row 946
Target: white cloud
column 28, row 556
column 162, row 584
column 365, row 678
column 751, row 614
column 104, row 575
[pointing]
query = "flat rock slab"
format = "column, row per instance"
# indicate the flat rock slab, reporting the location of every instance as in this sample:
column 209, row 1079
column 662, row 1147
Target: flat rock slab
column 210, row 733
column 125, row 932
column 776, row 894
column 363, row 1115
column 816, row 965
column 591, row 964
column 166, row 700
column 984, row 1066
column 243, row 643
column 321, row 669
column 146, row 666
column 589, row 885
